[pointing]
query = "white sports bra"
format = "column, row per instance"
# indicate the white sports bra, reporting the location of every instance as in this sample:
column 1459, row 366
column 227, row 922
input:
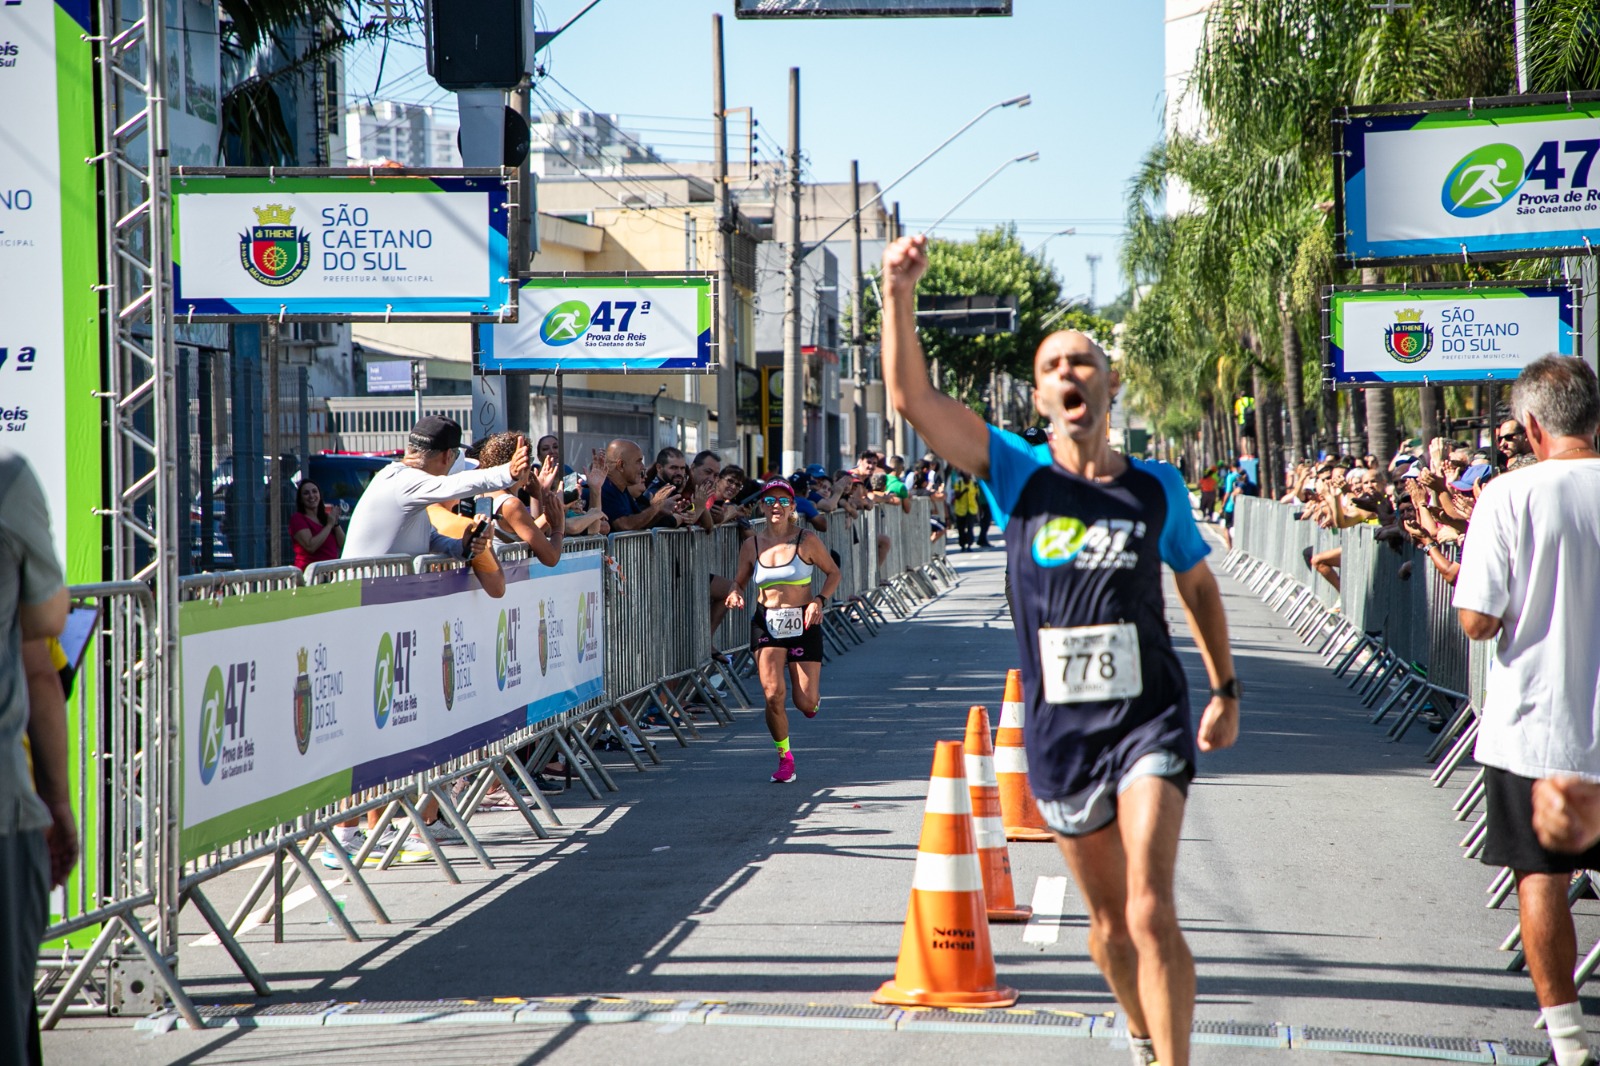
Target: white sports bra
column 794, row 572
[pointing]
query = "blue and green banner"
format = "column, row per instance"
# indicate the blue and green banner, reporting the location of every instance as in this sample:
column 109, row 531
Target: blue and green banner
column 606, row 322
column 339, row 246
column 1494, row 179
column 293, row 700
column 1443, row 334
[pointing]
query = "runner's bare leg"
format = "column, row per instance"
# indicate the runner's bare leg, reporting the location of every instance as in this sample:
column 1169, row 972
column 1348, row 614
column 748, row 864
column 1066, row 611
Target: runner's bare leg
column 807, row 681
column 769, row 664
column 1150, row 814
column 1099, row 866
column 1548, row 937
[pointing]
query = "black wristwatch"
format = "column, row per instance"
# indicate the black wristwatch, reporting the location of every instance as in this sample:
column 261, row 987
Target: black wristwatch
column 1229, row 689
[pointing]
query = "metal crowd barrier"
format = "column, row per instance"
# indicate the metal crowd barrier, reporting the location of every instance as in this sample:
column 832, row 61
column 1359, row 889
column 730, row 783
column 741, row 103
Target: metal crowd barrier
column 121, row 911
column 1395, row 640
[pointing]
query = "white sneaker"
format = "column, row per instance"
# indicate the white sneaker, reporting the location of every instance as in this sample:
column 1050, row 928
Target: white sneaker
column 632, row 739
column 441, row 832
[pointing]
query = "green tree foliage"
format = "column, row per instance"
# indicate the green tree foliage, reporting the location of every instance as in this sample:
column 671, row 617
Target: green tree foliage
column 269, row 44
column 994, row 263
column 1230, row 286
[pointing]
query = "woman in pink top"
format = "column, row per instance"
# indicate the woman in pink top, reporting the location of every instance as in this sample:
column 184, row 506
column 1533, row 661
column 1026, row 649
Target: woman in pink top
column 314, row 526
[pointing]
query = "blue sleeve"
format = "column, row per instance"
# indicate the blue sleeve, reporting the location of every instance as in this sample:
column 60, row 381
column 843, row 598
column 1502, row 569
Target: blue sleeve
column 615, row 502
column 439, row 544
column 805, row 507
column 1012, row 461
column 1182, row 546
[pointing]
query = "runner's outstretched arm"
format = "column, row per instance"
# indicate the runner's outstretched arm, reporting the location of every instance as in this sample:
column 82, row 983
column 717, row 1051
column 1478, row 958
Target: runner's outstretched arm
column 950, row 427
column 1202, row 606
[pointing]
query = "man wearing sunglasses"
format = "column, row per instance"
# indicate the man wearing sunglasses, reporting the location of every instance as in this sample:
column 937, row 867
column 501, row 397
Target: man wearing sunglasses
column 1110, row 742
column 1512, row 441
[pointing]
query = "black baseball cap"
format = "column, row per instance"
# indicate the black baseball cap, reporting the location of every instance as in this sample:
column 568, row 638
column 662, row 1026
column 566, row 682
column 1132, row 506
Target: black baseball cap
column 435, row 434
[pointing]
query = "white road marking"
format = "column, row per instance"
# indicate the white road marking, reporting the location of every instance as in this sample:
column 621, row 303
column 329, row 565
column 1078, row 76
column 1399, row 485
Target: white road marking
column 1049, row 902
column 263, row 915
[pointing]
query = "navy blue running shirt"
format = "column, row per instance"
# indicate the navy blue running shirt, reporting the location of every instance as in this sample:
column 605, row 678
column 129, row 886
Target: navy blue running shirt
column 1086, row 553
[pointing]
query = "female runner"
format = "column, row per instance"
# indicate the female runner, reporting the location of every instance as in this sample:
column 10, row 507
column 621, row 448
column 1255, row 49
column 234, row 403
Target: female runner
column 786, row 629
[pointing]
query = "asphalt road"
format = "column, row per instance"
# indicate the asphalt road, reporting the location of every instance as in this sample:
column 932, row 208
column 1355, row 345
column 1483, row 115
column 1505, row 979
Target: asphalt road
column 1320, row 884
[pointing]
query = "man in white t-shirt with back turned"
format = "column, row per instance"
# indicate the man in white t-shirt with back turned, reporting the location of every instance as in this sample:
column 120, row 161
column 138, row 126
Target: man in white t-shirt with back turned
column 392, row 515
column 1527, row 581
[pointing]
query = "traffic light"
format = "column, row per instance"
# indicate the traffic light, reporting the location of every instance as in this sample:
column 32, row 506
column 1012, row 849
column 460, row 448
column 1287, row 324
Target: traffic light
column 476, row 44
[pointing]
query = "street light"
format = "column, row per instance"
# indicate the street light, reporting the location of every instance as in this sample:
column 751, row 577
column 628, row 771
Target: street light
column 1068, row 232
column 1031, row 157
column 1016, row 101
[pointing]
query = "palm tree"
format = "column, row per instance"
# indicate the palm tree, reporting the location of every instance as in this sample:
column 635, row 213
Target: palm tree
column 1269, row 77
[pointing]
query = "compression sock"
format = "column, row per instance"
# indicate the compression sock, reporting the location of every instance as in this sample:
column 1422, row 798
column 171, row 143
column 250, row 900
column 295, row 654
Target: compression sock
column 1564, row 1024
column 782, row 746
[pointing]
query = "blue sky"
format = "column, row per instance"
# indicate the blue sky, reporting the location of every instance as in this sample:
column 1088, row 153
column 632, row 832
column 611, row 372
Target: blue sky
column 883, row 91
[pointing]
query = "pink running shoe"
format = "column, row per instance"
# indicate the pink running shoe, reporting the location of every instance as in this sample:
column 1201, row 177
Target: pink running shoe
column 785, row 772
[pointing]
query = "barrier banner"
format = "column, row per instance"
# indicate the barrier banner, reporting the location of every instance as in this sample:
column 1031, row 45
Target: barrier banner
column 294, row 699
column 345, row 246
column 1445, row 335
column 611, row 322
column 1456, row 180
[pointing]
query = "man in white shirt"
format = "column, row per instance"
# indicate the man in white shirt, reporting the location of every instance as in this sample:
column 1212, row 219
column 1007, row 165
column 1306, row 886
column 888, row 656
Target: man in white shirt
column 1527, row 581
column 392, row 514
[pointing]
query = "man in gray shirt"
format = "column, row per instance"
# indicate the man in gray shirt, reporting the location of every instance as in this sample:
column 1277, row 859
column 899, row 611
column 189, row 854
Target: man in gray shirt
column 33, row 607
column 392, row 514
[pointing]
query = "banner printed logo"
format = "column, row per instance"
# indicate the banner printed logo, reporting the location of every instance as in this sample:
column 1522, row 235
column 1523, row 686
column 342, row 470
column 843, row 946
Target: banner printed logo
column 383, row 681
column 566, row 322
column 1410, row 339
column 1058, row 541
column 448, row 665
column 211, row 726
column 544, row 641
column 1483, row 180
column 275, row 252
column 302, row 704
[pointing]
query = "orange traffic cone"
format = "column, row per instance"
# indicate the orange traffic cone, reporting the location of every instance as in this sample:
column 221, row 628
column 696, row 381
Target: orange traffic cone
column 993, row 857
column 1017, row 810
column 945, row 958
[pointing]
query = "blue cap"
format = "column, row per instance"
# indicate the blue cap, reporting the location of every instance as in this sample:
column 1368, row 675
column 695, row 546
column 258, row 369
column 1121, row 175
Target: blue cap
column 817, row 470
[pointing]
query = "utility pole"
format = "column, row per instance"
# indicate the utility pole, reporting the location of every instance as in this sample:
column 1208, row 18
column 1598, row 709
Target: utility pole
column 1094, row 265
column 794, row 388
column 521, row 248
column 858, row 305
column 727, row 353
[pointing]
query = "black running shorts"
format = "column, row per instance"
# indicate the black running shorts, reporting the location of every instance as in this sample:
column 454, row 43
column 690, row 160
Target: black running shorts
column 1509, row 839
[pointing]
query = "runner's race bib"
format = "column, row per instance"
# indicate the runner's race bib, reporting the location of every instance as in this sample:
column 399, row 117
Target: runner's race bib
column 1090, row 663
column 785, row 623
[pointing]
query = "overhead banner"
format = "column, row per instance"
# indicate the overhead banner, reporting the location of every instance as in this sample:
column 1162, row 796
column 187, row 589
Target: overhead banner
column 611, row 322
column 849, row 9
column 1514, row 178
column 1441, row 335
column 294, row 699
column 353, row 247
column 49, row 265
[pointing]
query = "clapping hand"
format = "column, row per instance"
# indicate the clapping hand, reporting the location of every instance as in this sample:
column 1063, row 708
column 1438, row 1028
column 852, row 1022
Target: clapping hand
column 549, row 475
column 663, row 495
column 519, row 460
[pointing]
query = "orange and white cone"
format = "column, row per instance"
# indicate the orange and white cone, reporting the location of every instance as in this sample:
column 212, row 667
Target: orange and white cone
column 945, row 956
column 994, row 859
column 1018, row 812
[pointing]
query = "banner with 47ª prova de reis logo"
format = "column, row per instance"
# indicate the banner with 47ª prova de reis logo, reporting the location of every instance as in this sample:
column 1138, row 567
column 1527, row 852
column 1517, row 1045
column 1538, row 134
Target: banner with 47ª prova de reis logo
column 292, row 700
column 623, row 323
column 1485, row 182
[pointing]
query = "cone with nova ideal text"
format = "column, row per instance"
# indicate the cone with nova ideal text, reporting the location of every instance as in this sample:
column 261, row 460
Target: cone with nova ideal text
column 994, row 859
column 945, row 957
column 1018, row 812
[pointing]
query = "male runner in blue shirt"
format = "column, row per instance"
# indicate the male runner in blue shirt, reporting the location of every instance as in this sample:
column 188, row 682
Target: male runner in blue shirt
column 1111, row 747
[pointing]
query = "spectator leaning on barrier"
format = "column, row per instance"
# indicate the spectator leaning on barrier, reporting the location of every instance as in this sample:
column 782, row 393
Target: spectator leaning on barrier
column 391, row 517
column 514, row 520
column 621, row 493
column 1527, row 581
column 38, row 833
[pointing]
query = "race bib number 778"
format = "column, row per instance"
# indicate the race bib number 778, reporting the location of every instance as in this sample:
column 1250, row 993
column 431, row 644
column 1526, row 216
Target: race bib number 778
column 1087, row 663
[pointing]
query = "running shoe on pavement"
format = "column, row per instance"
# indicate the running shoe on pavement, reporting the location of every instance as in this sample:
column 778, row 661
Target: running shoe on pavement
column 1143, row 1050
column 352, row 848
column 785, row 772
